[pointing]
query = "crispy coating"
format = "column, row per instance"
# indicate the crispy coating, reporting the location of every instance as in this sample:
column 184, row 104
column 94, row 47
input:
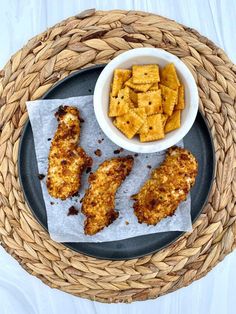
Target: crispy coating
column 168, row 186
column 99, row 200
column 66, row 160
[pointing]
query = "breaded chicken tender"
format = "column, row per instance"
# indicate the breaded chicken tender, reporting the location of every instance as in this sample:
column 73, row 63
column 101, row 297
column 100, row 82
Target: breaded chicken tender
column 168, row 186
column 66, row 160
column 99, row 201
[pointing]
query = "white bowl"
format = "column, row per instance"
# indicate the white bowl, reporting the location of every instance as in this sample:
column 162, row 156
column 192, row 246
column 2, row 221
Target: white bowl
column 125, row 61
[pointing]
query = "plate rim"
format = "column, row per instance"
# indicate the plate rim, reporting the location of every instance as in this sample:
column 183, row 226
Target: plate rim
column 69, row 244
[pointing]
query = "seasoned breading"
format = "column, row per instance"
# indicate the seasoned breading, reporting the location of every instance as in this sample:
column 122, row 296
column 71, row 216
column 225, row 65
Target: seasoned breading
column 99, row 200
column 66, row 160
column 168, row 186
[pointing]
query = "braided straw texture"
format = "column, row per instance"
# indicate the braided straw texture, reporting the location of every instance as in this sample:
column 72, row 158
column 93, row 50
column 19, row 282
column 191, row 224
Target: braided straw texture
column 94, row 38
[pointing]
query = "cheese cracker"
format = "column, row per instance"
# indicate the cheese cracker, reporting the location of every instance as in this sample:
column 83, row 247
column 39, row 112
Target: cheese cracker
column 151, row 101
column 155, row 129
column 169, row 98
column 180, row 103
column 169, row 77
column 129, row 123
column 120, row 77
column 143, row 74
column 120, row 104
column 173, row 121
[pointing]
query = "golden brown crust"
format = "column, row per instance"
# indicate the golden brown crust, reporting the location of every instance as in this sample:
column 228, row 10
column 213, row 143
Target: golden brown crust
column 168, row 186
column 66, row 160
column 99, row 200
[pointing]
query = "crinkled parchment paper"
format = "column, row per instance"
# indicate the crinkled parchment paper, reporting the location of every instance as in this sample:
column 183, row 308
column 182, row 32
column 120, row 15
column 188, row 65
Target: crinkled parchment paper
column 64, row 228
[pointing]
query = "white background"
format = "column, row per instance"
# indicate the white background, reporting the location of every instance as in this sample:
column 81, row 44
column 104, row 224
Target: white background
column 22, row 293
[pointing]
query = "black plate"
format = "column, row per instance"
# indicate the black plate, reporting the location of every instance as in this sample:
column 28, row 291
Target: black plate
column 198, row 141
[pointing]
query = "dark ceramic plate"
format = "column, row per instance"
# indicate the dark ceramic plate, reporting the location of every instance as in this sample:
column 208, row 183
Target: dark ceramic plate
column 198, row 141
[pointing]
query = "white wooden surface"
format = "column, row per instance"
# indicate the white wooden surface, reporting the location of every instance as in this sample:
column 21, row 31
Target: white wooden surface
column 21, row 293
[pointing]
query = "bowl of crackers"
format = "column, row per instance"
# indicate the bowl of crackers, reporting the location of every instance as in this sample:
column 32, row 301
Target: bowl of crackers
column 146, row 100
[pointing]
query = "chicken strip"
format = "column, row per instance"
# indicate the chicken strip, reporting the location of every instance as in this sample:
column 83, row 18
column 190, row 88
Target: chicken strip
column 168, row 186
column 99, row 200
column 66, row 160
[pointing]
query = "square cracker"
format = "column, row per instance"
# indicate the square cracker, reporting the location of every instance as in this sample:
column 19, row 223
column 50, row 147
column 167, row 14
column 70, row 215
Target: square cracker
column 169, row 99
column 173, row 121
column 120, row 77
column 137, row 87
column 120, row 104
column 155, row 129
column 143, row 74
column 151, row 101
column 169, row 77
column 180, row 103
column 129, row 123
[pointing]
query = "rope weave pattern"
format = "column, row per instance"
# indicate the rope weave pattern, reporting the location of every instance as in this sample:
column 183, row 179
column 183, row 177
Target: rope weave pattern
column 94, row 38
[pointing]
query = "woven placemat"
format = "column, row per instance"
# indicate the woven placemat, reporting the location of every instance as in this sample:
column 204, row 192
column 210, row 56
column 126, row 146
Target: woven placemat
column 94, row 38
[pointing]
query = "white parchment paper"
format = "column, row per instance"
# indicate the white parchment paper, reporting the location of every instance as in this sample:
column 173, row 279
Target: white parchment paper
column 64, row 228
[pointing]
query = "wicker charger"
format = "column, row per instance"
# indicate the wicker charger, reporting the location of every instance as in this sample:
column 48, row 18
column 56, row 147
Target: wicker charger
column 94, row 38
